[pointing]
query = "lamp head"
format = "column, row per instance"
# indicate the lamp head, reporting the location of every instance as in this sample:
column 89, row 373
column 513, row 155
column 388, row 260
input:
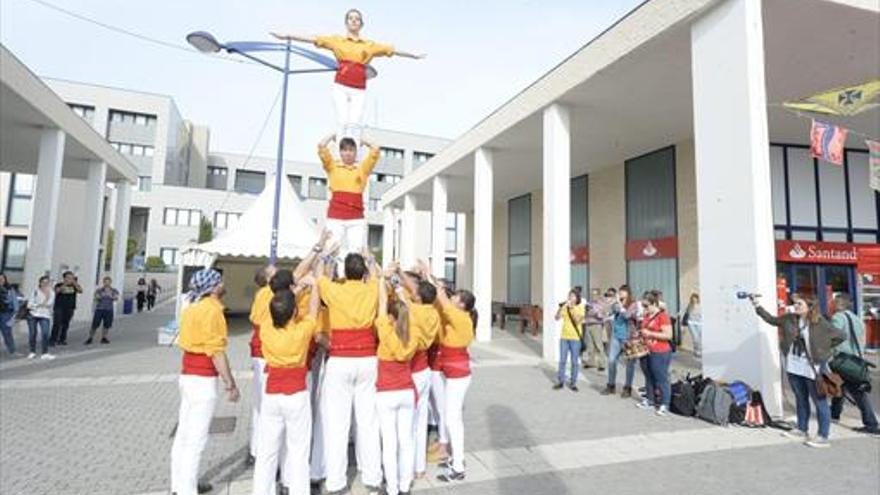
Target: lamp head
column 204, row 42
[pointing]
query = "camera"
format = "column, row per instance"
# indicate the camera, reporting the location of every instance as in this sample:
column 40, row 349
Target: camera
column 747, row 295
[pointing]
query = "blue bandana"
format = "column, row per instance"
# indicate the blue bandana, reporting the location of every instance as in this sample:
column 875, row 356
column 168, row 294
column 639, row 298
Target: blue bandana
column 203, row 282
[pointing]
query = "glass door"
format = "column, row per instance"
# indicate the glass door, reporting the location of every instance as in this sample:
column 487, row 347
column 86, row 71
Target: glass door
column 835, row 279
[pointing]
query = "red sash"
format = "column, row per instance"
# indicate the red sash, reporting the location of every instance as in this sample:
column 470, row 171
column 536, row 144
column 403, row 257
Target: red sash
column 198, row 364
column 352, row 342
column 346, row 206
column 455, row 362
column 285, row 381
column 394, row 375
column 256, row 343
column 351, row 74
column 419, row 361
column 434, row 358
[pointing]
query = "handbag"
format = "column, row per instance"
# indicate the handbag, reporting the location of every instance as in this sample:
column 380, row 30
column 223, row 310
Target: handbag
column 828, row 383
column 853, row 369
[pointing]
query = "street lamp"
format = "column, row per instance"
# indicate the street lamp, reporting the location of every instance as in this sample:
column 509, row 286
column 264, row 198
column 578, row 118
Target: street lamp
column 207, row 43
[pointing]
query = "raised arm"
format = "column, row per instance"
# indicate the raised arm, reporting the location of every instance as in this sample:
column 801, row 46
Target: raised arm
column 305, row 266
column 324, row 153
column 765, row 315
column 383, row 297
column 294, row 37
column 372, row 158
column 314, row 296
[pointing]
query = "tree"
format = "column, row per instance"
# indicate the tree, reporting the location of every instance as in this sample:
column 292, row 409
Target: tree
column 130, row 249
column 206, row 230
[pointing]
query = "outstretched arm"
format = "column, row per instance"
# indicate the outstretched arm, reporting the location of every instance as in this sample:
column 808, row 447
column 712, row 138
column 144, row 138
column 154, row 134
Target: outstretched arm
column 417, row 56
column 293, row 37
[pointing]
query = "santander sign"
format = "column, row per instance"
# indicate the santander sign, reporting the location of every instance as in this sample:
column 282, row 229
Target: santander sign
column 817, row 252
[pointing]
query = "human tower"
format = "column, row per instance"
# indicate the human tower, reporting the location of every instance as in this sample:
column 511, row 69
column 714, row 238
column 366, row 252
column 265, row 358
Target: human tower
column 341, row 349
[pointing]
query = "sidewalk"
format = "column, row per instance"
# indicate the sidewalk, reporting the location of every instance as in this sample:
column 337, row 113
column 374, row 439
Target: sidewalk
column 98, row 420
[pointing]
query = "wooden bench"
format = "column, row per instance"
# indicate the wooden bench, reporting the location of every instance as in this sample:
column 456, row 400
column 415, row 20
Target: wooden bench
column 529, row 316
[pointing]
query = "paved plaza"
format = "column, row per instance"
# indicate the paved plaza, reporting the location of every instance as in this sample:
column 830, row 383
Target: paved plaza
column 99, row 420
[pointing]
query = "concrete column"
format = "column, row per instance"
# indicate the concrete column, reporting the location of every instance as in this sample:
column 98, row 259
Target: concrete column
column 388, row 223
column 438, row 226
column 484, row 192
column 41, row 239
column 556, row 229
column 120, row 236
column 407, row 246
column 93, row 209
column 735, row 227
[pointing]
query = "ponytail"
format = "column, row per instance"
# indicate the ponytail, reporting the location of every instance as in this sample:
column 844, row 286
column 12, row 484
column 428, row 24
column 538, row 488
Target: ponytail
column 398, row 310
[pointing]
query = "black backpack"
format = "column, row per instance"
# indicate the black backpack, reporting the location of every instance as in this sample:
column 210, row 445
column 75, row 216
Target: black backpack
column 684, row 400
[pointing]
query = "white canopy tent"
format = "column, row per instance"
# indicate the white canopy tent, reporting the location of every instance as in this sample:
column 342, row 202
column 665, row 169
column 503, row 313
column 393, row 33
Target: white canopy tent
column 239, row 251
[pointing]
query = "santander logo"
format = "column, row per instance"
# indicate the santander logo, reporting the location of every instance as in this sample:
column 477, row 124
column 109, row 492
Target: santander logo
column 649, row 250
column 797, row 252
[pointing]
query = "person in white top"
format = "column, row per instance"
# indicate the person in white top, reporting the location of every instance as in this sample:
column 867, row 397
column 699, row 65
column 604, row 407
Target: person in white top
column 39, row 316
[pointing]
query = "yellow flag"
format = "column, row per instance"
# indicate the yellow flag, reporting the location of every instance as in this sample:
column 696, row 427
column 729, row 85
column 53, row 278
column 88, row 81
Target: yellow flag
column 841, row 101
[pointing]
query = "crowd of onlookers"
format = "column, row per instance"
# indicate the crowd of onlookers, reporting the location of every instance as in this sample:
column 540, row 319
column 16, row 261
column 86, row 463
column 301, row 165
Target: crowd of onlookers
column 49, row 309
column 615, row 328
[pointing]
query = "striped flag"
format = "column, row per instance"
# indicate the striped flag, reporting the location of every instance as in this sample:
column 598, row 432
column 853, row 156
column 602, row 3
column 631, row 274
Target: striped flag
column 826, row 142
column 874, row 163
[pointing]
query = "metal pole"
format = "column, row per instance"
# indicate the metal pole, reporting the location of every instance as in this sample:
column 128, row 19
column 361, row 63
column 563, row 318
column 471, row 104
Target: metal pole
column 279, row 165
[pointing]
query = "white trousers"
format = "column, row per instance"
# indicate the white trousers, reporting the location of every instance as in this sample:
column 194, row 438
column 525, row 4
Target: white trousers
column 284, row 420
column 350, row 382
column 422, row 381
column 349, row 104
column 396, row 418
column 351, row 235
column 456, row 389
column 198, row 395
column 257, row 385
column 317, row 470
column 438, row 405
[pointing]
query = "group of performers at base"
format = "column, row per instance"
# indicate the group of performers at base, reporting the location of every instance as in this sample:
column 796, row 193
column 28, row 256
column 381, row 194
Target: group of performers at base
column 380, row 345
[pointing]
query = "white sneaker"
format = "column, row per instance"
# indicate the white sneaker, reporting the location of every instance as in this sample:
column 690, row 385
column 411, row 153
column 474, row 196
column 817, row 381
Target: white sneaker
column 32, row 355
column 818, row 443
column 644, row 404
column 662, row 411
column 795, row 434
column 47, row 357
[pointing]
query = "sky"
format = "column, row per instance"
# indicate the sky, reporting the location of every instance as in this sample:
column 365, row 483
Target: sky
column 479, row 55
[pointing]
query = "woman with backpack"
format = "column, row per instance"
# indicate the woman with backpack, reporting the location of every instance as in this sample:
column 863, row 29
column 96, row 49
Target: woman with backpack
column 806, row 342
column 656, row 330
column 571, row 312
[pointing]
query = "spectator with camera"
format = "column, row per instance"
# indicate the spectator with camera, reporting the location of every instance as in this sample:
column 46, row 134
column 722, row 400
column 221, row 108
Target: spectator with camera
column 571, row 312
column 854, row 329
column 625, row 317
column 656, row 331
column 65, row 305
column 806, row 342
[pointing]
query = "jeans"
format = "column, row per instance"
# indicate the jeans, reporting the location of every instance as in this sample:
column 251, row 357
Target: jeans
column 697, row 333
column 655, row 366
column 6, row 330
column 805, row 389
column 44, row 330
column 102, row 317
column 567, row 347
column 615, row 351
column 60, row 324
column 863, row 402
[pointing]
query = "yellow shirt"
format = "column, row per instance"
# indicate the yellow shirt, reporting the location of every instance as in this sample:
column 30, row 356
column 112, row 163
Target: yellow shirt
column 344, row 178
column 569, row 332
column 458, row 329
column 390, row 346
column 203, row 327
column 302, row 310
column 352, row 304
column 260, row 307
column 287, row 347
column 424, row 322
column 353, row 50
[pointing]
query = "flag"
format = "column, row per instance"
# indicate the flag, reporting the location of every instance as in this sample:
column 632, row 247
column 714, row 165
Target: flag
column 826, row 142
column 840, row 101
column 874, row 163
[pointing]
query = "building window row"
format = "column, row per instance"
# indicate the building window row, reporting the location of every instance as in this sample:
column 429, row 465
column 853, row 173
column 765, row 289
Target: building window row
column 394, row 153
column 182, row 217
column 132, row 149
column 21, row 204
column 84, row 111
column 121, row 117
column 420, row 157
column 249, row 181
column 386, row 178
column 225, row 219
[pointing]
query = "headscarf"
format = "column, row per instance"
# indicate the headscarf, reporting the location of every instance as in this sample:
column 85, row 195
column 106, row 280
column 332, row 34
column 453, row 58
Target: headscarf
column 203, row 282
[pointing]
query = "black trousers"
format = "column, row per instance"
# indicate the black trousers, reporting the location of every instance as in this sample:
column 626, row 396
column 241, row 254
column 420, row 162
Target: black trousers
column 60, row 324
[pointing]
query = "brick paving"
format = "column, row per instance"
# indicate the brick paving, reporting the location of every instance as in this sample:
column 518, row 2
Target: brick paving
column 98, row 420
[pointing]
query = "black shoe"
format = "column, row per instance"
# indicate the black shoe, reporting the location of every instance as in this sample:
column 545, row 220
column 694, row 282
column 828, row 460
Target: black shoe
column 600, row 369
column 204, row 487
column 88, row 341
column 250, row 461
column 875, row 431
column 105, row 341
column 283, row 490
column 451, row 475
column 609, row 390
column 316, row 488
column 557, row 386
column 573, row 387
column 63, row 342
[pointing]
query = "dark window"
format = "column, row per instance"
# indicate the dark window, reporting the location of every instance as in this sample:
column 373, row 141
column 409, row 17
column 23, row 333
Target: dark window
column 519, row 243
column 296, row 181
column 217, row 178
column 317, row 188
column 14, row 249
column 21, row 200
column 247, row 181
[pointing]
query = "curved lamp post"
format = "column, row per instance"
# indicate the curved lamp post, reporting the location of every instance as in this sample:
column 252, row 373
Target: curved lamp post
column 207, row 43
